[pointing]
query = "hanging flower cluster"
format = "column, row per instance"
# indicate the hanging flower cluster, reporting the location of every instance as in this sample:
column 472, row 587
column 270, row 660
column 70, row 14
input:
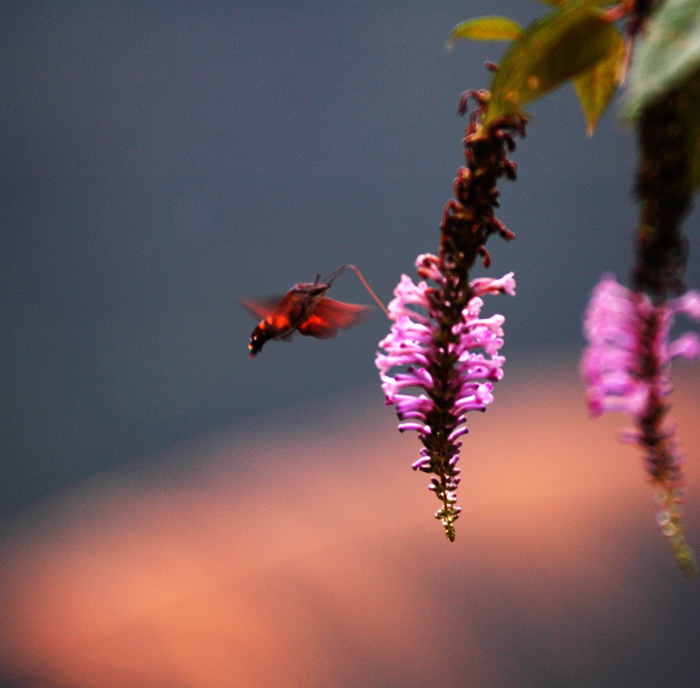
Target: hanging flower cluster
column 448, row 352
column 626, row 367
column 454, row 376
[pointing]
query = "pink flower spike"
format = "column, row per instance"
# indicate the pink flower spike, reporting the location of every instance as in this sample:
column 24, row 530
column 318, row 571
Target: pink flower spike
column 451, row 357
column 627, row 366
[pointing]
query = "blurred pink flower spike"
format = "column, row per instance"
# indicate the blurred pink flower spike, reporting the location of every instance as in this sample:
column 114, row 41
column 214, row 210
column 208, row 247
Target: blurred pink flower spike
column 627, row 367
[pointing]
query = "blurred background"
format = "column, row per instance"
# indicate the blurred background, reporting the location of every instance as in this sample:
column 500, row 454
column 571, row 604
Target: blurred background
column 163, row 498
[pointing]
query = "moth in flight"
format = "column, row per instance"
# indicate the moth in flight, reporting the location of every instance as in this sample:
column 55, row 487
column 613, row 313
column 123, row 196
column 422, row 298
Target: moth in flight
column 306, row 309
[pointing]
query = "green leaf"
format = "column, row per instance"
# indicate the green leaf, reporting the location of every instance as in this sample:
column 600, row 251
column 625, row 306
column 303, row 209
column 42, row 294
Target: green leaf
column 549, row 52
column 667, row 56
column 485, row 29
column 597, row 86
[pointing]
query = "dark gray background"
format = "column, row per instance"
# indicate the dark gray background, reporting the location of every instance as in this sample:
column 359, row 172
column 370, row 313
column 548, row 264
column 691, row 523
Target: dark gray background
column 159, row 160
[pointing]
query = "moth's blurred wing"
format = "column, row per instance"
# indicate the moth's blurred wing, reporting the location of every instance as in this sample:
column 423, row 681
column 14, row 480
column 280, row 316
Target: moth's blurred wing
column 261, row 307
column 330, row 315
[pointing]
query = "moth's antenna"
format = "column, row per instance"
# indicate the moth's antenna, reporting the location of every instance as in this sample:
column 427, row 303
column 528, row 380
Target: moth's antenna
column 342, row 268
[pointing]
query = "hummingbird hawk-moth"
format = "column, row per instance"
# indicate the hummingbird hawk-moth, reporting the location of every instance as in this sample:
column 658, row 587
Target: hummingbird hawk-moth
column 306, row 309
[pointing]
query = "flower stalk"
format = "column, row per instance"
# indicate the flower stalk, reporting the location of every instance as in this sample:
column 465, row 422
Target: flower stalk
column 627, row 363
column 450, row 353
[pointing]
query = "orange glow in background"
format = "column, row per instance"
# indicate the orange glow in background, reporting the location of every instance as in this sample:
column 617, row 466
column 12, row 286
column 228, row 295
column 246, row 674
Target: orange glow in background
column 301, row 550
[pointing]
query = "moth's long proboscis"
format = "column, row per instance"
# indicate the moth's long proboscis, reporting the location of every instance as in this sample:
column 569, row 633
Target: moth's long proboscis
column 342, row 268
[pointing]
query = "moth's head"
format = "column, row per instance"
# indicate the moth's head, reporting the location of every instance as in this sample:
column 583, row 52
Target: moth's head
column 315, row 290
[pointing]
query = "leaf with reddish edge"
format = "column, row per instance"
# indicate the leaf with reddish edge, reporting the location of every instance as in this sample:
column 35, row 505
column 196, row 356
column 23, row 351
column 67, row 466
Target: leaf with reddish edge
column 549, row 52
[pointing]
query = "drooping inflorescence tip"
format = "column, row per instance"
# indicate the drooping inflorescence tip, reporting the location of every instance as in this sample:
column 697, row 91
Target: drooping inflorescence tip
column 627, row 366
